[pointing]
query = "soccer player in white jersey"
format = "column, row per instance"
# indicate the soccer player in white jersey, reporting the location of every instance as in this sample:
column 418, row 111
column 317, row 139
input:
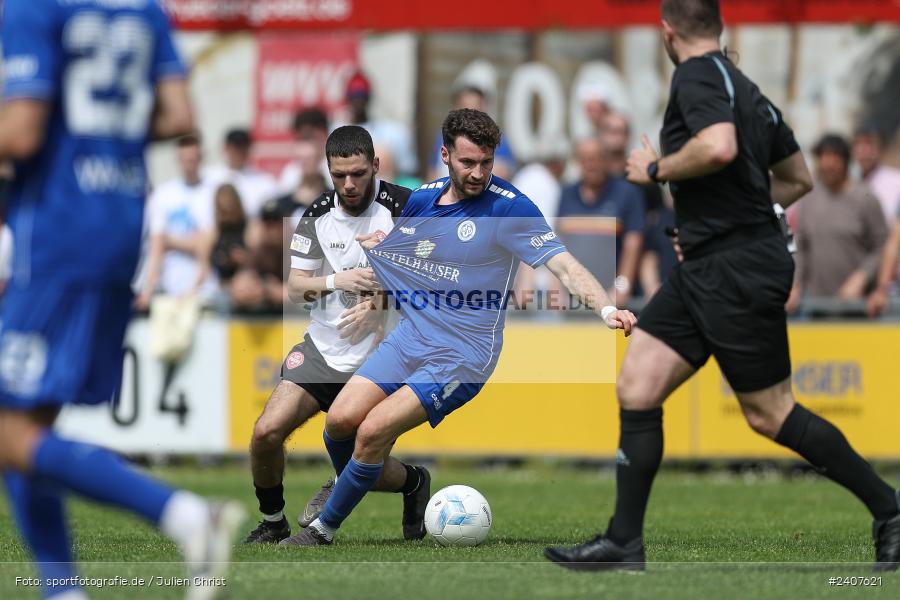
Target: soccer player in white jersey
column 327, row 261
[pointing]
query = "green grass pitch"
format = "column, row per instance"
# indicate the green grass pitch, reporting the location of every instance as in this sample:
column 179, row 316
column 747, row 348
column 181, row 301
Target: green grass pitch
column 713, row 536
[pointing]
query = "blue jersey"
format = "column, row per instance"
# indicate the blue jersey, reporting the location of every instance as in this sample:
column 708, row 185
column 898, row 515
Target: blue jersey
column 76, row 207
column 450, row 268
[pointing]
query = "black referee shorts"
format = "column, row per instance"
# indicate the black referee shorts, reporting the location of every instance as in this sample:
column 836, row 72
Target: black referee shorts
column 305, row 366
column 729, row 304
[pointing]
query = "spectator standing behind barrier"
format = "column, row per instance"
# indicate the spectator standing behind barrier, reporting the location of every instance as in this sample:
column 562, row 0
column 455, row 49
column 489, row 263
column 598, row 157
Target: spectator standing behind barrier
column 884, row 181
column 471, row 96
column 840, row 230
column 260, row 288
column 387, row 169
column 658, row 256
column 229, row 253
column 180, row 216
column 540, row 181
column 310, row 129
column 601, row 212
column 254, row 186
column 384, row 132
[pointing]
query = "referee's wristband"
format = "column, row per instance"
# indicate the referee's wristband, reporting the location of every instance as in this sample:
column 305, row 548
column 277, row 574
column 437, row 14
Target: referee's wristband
column 329, row 281
column 606, row 311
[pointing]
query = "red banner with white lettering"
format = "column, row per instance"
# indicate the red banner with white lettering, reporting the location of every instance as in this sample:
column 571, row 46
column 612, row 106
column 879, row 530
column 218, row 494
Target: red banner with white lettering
column 296, row 71
column 501, row 14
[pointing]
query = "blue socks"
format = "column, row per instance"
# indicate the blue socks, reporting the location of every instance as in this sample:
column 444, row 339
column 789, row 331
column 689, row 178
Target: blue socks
column 38, row 508
column 100, row 475
column 340, row 451
column 350, row 487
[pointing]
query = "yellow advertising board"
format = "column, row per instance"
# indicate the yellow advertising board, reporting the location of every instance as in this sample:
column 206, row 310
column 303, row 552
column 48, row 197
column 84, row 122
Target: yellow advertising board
column 844, row 372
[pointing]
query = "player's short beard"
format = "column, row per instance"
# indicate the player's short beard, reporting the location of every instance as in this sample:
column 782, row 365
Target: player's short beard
column 459, row 184
column 367, row 198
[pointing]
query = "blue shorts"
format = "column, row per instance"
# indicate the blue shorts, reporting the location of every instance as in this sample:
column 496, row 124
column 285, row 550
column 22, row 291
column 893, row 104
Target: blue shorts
column 62, row 344
column 441, row 377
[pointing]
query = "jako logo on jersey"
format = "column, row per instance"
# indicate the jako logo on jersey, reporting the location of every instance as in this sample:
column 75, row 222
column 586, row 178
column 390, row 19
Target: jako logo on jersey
column 294, row 360
column 424, row 248
column 465, row 231
column 408, row 230
column 539, row 240
column 301, row 244
column 338, row 245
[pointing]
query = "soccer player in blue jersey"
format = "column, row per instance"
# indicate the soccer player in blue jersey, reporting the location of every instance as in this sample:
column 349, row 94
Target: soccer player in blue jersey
column 88, row 84
column 448, row 263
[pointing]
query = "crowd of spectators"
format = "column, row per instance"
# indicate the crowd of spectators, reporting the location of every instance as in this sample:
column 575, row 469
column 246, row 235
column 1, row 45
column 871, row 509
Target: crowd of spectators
column 218, row 233
column 241, row 217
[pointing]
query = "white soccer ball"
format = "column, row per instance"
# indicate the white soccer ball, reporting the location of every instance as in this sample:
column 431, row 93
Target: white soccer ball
column 458, row 516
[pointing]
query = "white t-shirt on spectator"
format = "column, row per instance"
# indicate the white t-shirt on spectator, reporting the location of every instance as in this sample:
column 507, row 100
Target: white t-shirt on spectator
column 885, row 185
column 178, row 209
column 254, row 186
column 538, row 183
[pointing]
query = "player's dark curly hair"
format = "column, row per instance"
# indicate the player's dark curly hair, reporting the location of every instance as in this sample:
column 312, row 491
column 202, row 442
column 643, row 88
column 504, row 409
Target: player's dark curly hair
column 348, row 141
column 693, row 18
column 475, row 125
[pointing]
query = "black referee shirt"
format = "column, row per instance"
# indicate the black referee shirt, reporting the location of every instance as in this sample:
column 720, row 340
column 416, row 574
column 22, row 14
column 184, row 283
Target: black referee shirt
column 707, row 90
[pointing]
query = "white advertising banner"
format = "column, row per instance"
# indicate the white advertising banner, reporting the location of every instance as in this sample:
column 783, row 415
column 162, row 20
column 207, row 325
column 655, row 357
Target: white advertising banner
column 162, row 410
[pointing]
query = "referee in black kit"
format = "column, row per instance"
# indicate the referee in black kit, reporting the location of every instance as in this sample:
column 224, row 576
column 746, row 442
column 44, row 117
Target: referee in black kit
column 728, row 156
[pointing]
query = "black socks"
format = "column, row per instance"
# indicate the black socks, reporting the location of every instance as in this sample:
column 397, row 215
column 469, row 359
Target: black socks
column 826, row 448
column 637, row 461
column 271, row 500
column 413, row 481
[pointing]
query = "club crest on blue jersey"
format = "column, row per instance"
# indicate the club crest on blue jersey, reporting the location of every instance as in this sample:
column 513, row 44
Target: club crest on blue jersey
column 466, row 230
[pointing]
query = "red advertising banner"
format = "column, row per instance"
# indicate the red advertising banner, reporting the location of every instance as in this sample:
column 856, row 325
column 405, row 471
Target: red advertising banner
column 294, row 71
column 501, row 14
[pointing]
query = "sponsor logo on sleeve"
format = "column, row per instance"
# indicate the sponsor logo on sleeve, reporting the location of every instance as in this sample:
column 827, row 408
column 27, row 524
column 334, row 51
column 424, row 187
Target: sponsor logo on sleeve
column 539, row 240
column 301, row 244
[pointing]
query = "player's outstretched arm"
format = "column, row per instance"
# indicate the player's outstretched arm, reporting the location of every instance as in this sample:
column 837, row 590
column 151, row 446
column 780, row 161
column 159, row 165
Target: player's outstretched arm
column 172, row 116
column 791, row 180
column 586, row 288
column 23, row 123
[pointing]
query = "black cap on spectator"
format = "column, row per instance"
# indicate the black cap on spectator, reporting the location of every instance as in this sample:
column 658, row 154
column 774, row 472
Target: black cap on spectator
column 834, row 143
column 239, row 138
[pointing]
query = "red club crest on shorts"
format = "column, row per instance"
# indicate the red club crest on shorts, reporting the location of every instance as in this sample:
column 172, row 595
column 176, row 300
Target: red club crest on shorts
column 294, row 360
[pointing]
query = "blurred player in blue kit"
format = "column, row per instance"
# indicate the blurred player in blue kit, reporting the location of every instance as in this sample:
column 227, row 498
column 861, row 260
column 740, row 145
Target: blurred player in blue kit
column 448, row 263
column 88, row 83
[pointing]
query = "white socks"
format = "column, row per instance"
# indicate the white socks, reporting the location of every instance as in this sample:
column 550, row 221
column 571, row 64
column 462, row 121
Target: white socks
column 324, row 529
column 274, row 518
column 182, row 515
